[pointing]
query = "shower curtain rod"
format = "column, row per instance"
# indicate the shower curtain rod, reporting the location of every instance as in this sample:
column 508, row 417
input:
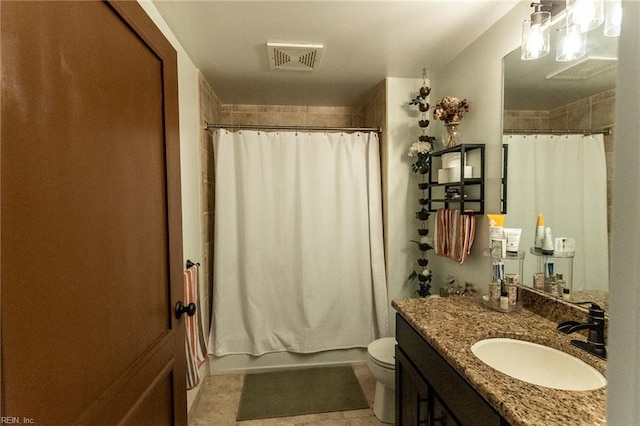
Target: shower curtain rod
column 208, row 126
column 555, row 132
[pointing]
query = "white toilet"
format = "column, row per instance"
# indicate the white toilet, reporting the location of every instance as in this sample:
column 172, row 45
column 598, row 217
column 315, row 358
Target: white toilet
column 382, row 365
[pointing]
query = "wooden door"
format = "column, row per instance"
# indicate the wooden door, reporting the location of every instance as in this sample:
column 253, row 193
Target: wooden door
column 91, row 246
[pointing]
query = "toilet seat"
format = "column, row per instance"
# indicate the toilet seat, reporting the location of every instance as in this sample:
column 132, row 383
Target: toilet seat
column 382, row 365
column 382, row 352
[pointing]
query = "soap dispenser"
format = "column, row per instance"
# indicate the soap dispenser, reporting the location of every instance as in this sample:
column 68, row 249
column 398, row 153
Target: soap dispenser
column 539, row 233
column 547, row 242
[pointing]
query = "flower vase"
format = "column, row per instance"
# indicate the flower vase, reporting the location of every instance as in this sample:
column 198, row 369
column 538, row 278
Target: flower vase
column 452, row 135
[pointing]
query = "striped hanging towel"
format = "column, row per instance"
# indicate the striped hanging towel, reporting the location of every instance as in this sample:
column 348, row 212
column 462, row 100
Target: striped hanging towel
column 201, row 352
column 193, row 377
column 454, row 234
column 195, row 342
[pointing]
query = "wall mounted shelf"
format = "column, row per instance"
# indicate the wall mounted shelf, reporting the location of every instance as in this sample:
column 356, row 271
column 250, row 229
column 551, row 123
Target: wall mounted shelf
column 466, row 193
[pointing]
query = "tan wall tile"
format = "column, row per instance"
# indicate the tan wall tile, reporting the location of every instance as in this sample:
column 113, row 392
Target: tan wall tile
column 357, row 120
column 544, row 123
column 210, row 204
column 511, row 121
column 368, row 118
column 270, row 108
column 558, row 111
column 529, row 123
column 270, row 118
column 582, row 103
column 319, row 110
column 225, row 118
column 294, row 119
column 603, row 114
column 249, row 118
column 529, row 114
column 340, row 120
column 604, row 95
column 580, row 117
column 245, row 108
column 317, row 119
column 291, row 109
column 558, row 122
column 608, row 144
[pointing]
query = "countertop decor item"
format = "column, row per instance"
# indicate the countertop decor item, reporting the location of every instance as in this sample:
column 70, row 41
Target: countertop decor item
column 420, row 150
column 451, row 110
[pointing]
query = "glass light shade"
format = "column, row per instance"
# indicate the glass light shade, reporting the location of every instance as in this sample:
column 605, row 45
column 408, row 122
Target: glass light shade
column 586, row 14
column 536, row 36
column 572, row 44
column 613, row 20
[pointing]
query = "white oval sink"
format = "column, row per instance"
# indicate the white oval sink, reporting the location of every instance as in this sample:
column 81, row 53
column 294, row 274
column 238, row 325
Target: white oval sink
column 538, row 364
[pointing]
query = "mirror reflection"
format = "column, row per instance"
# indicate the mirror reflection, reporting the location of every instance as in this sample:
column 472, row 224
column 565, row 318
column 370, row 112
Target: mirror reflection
column 558, row 122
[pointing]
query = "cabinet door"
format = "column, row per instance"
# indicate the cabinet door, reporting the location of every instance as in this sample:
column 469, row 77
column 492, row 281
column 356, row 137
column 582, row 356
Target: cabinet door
column 412, row 394
column 442, row 380
column 441, row 416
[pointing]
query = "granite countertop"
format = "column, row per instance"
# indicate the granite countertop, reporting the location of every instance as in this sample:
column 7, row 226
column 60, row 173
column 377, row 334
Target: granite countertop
column 452, row 325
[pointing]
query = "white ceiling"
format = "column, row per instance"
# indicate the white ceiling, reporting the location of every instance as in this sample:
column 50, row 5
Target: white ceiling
column 364, row 42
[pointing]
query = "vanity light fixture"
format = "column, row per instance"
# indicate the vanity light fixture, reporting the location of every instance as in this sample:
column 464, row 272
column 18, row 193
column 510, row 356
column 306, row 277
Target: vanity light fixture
column 581, row 16
column 572, row 44
column 586, row 14
column 536, row 33
column 613, row 19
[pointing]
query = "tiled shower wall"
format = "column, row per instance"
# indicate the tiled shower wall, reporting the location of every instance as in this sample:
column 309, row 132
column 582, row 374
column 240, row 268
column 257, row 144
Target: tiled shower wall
column 594, row 113
column 210, row 110
column 283, row 115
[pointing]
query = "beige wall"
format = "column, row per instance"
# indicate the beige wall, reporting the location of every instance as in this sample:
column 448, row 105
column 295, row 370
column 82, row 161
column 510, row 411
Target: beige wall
column 375, row 115
column 189, row 159
column 476, row 74
column 623, row 369
column 401, row 190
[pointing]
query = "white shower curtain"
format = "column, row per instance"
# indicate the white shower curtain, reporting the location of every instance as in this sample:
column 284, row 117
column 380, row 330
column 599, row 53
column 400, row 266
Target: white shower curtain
column 563, row 177
column 298, row 249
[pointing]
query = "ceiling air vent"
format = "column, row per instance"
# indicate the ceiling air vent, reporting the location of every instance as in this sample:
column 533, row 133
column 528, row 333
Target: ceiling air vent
column 585, row 69
column 294, row 56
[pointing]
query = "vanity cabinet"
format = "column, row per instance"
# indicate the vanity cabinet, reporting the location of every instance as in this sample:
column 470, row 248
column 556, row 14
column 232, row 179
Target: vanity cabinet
column 465, row 192
column 429, row 391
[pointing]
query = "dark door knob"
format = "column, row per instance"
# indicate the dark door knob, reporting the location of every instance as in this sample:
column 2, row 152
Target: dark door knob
column 190, row 309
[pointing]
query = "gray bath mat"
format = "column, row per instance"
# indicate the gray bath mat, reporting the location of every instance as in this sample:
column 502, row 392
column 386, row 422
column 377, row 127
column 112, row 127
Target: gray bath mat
column 300, row 391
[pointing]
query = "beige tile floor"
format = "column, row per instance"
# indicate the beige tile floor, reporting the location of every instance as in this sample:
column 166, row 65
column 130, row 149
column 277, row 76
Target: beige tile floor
column 218, row 401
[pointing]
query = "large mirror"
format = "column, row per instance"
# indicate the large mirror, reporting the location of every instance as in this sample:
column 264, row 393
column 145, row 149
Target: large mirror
column 567, row 107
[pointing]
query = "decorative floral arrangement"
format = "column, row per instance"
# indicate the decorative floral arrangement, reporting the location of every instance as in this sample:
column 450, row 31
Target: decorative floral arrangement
column 420, row 151
column 450, row 109
column 423, row 275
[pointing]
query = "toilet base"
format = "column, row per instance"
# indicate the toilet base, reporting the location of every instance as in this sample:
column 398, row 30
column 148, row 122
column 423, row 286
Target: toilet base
column 384, row 403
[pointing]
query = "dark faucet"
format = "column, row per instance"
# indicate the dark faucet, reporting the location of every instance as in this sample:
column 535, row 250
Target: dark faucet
column 595, row 342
